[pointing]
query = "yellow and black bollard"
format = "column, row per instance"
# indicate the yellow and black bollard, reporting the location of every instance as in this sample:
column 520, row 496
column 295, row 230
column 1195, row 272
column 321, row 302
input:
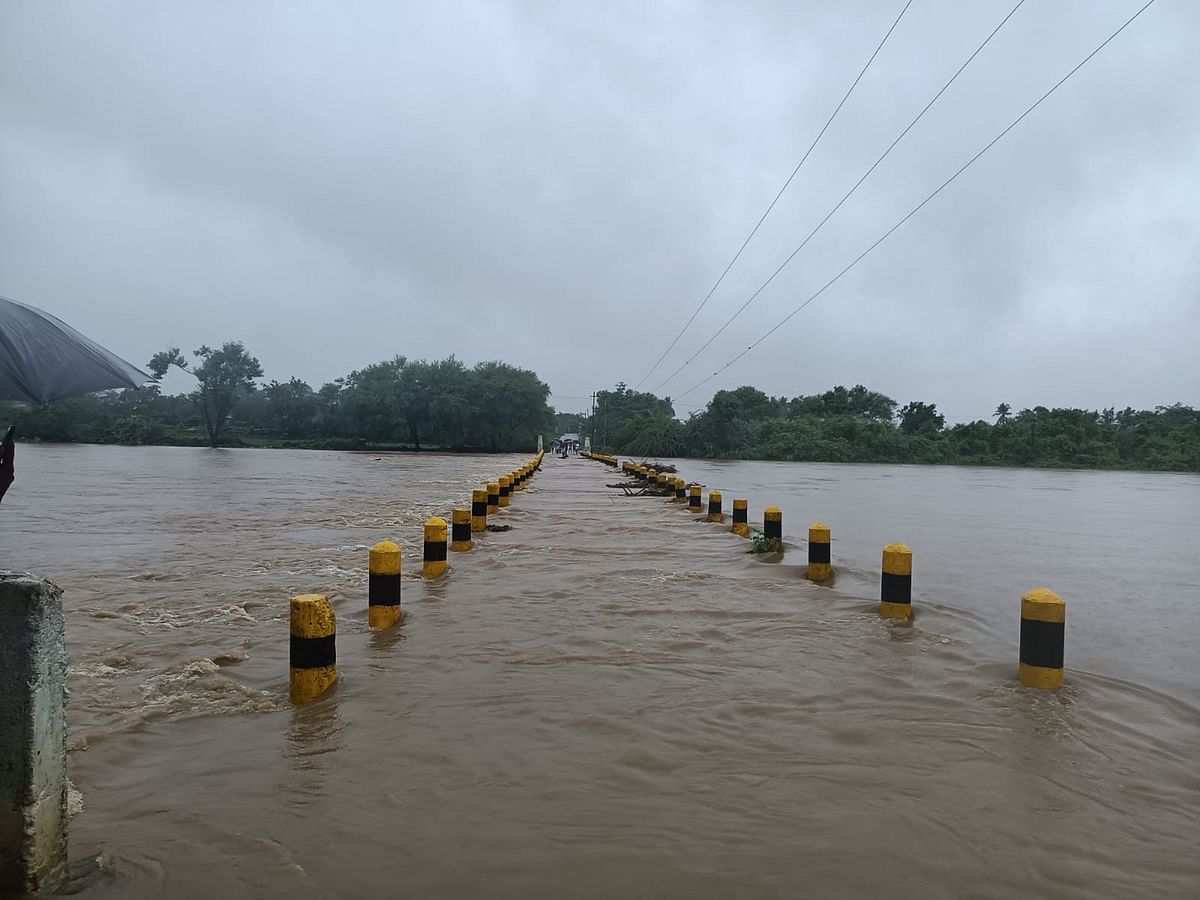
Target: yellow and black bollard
column 679, row 489
column 714, row 507
column 313, row 654
column 493, row 490
column 460, row 529
column 505, row 490
column 741, row 524
column 652, row 479
column 383, row 585
column 435, row 547
column 773, row 527
column 895, row 588
column 819, row 566
column 1043, row 633
column 479, row 510
column 694, row 504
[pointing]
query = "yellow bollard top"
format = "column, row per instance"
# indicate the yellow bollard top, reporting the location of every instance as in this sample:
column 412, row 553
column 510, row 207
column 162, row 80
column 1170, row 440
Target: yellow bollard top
column 1043, row 605
column 897, row 559
column 436, row 529
column 384, row 558
column 312, row 616
column 818, row 532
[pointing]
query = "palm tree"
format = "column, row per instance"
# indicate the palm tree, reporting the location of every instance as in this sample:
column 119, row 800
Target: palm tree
column 1001, row 413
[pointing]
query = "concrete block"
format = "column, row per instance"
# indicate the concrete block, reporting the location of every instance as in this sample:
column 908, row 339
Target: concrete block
column 33, row 748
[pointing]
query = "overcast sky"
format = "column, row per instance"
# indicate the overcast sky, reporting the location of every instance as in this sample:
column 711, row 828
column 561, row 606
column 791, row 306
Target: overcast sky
column 559, row 184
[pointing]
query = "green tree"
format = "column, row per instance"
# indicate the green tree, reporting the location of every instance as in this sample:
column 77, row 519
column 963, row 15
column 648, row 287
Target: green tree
column 291, row 407
column 508, row 406
column 648, row 435
column 1002, row 413
column 725, row 425
column 857, row 402
column 921, row 418
column 619, row 409
column 368, row 405
column 225, row 376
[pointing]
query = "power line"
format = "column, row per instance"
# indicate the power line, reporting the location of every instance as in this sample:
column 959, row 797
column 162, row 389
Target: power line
column 922, row 204
column 763, row 218
column 846, row 196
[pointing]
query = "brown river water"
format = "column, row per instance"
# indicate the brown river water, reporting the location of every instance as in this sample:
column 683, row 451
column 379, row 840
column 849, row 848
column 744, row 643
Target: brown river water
column 613, row 699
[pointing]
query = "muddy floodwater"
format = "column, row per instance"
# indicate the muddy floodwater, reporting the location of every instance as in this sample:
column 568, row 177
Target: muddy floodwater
column 613, row 699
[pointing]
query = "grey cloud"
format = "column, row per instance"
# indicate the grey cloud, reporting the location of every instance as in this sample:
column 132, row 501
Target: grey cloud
column 559, row 184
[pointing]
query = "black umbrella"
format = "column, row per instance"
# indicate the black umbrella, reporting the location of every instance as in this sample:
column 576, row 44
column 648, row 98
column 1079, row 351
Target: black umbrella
column 43, row 358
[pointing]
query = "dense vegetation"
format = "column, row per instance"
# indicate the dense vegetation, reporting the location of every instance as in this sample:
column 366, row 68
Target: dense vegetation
column 414, row 404
column 399, row 403
column 860, row 425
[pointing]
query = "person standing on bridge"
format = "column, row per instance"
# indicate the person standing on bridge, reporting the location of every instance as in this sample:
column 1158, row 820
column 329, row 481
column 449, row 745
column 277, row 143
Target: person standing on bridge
column 7, row 448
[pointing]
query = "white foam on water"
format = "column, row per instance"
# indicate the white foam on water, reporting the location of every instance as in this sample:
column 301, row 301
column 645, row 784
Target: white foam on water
column 198, row 687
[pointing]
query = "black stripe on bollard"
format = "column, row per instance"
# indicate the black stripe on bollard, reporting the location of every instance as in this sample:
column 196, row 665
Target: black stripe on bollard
column 818, row 553
column 383, row 590
column 313, row 653
column 460, row 531
column 1042, row 643
column 479, row 507
column 435, row 551
column 893, row 588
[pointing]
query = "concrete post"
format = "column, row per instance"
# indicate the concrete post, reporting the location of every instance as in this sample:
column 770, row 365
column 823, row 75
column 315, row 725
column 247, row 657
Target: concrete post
column 33, row 735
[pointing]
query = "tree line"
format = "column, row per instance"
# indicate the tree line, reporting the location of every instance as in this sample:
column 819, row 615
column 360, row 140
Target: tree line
column 395, row 404
column 416, row 404
column 860, row 425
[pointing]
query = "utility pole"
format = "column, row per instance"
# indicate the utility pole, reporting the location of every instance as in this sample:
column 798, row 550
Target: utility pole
column 593, row 418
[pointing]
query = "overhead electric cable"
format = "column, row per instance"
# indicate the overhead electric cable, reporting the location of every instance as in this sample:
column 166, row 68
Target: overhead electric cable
column 922, row 204
column 783, row 265
column 763, row 218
